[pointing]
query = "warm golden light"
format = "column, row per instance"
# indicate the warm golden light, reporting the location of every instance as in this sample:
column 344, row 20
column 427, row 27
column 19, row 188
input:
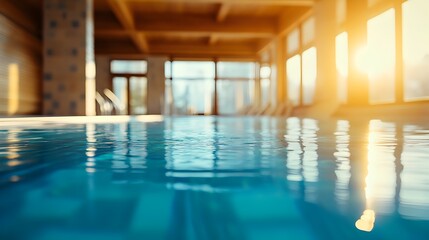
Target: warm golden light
column 309, row 75
column 265, row 72
column 381, row 57
column 293, row 69
column 90, row 89
column 366, row 221
column 361, row 59
column 342, row 65
column 341, row 54
column 13, row 91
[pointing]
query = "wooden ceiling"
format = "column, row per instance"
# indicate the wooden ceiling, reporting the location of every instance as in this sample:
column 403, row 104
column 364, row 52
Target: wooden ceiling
column 192, row 28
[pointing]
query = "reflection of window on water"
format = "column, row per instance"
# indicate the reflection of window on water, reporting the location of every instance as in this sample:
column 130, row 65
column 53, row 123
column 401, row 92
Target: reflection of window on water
column 416, row 49
column 414, row 192
column 381, row 177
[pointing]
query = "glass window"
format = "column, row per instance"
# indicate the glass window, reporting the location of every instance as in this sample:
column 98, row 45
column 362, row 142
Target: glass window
column 416, row 49
column 167, row 69
column 309, row 75
column 192, row 96
column 128, row 66
column 293, row 41
column 265, row 71
column 308, row 30
column 138, row 88
column 236, row 70
column 120, row 89
column 189, row 69
column 381, row 57
column 342, row 65
column 293, row 69
column 265, row 91
column 234, row 96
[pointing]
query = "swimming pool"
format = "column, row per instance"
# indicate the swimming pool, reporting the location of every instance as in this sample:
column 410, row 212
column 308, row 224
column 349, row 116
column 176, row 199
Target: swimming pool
column 213, row 178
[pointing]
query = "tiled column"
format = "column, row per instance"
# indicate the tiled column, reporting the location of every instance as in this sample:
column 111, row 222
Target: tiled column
column 68, row 58
column 155, row 85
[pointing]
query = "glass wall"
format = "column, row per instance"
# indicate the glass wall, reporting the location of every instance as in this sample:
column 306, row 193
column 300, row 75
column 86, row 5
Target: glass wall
column 138, row 95
column 293, row 70
column 381, row 57
column 120, row 89
column 309, row 74
column 415, row 49
column 128, row 66
column 342, row 65
column 129, row 86
column 192, row 97
column 235, row 86
column 265, row 75
column 301, row 65
column 192, row 87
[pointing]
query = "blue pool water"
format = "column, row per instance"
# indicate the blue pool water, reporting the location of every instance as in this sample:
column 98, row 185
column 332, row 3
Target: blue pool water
column 214, row 178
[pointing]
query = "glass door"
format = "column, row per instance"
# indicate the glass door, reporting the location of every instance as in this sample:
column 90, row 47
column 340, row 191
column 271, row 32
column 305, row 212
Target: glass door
column 131, row 95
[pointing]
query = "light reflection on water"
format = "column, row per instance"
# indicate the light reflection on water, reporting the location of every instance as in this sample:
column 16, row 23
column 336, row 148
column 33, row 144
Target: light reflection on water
column 349, row 170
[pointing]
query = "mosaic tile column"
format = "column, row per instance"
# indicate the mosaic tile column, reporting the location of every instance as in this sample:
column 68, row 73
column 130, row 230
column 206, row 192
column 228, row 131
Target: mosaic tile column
column 68, row 51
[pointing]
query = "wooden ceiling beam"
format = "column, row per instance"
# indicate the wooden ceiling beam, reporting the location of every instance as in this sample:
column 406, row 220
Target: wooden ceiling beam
column 122, row 33
column 223, row 12
column 236, row 2
column 126, row 18
column 220, row 17
column 213, row 39
column 287, row 22
column 181, row 49
column 221, row 49
column 202, row 24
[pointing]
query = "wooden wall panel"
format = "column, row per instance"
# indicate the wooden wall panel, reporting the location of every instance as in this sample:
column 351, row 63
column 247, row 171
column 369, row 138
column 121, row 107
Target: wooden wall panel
column 20, row 70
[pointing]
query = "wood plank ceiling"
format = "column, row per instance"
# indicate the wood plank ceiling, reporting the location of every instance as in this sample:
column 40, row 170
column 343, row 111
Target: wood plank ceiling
column 191, row 28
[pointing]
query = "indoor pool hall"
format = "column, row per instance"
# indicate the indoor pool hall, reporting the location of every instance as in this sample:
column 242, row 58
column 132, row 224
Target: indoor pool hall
column 214, row 119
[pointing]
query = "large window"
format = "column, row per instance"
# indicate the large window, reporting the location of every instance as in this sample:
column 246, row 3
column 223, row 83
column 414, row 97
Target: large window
column 128, row 66
column 235, row 86
column 265, row 75
column 129, row 86
column 342, row 65
column 192, row 96
column 138, row 98
column 388, row 53
column 120, row 89
column 309, row 74
column 293, row 69
column 416, row 49
column 192, row 87
column 301, row 65
column 381, row 57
